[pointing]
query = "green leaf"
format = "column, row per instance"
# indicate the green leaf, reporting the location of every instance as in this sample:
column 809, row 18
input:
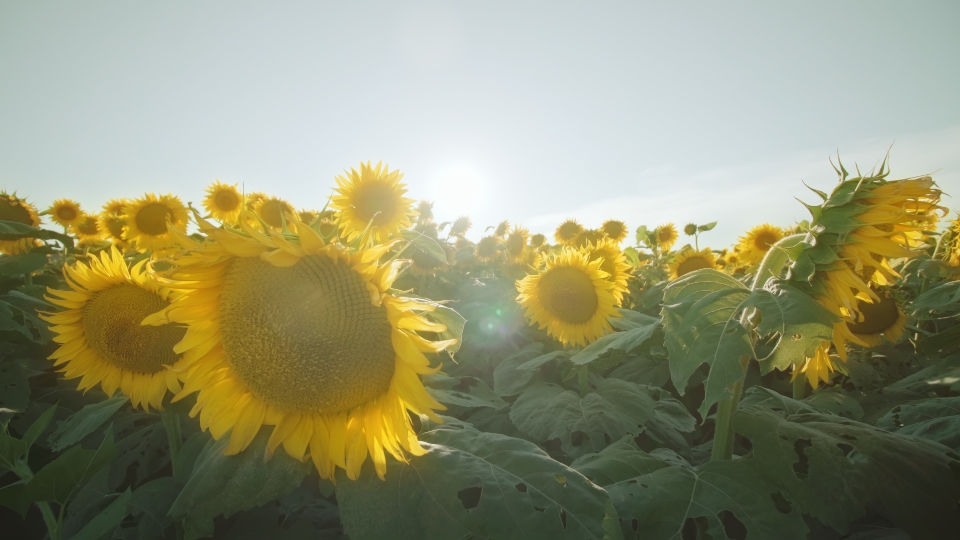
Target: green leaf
column 19, row 265
column 835, row 468
column 632, row 256
column 152, row 501
column 621, row 341
column 107, row 520
column 621, row 460
column 714, row 498
column 11, row 496
column 37, row 427
column 15, row 390
column 798, row 323
column 643, row 370
column 84, row 422
column 936, row 419
column 834, row 400
column 11, row 230
column 480, row 395
column 477, row 484
column 428, row 246
column 617, row 408
column 228, row 484
column 707, row 227
column 59, row 479
column 189, row 453
column 11, row 451
column 517, row 371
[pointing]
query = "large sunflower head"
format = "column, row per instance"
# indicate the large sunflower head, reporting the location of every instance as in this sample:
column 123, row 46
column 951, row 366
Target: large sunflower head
column 13, row 208
column 882, row 318
column 102, row 340
column 567, row 232
column 293, row 332
column 460, row 226
column 666, row 236
column 372, row 197
column 516, row 245
column 274, row 211
column 223, row 202
column 614, row 229
column 688, row 260
column 756, row 243
column 65, row 212
column 614, row 263
column 487, row 248
column 87, row 228
column 146, row 221
column 571, row 297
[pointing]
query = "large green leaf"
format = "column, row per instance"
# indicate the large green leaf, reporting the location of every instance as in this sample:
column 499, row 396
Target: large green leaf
column 107, row 520
column 84, row 422
column 474, row 484
column 517, row 371
column 724, row 499
column 58, row 480
column 617, row 408
column 18, row 265
column 152, row 502
column 936, row 419
column 621, row 341
column 11, row 230
column 834, row 468
column 225, row 485
column 477, row 393
column 621, row 460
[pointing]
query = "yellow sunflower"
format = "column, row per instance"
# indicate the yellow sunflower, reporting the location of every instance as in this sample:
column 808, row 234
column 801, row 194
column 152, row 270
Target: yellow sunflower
column 273, row 212
column 372, row 197
column 460, row 226
column 666, row 236
column 253, row 198
column 223, row 202
column 487, row 248
column 688, row 260
column 87, row 228
column 102, row 340
column 13, row 208
column 111, row 226
column 146, row 221
column 425, row 211
column 880, row 319
column 756, row 243
column 308, row 217
column 300, row 334
column 65, row 212
column 615, row 230
column 538, row 240
column 614, row 264
column 570, row 297
column 587, row 237
column 115, row 206
column 516, row 245
column 501, row 229
column 690, row 229
column 567, row 232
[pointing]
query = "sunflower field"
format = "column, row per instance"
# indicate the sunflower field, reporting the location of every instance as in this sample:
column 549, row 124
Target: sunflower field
column 242, row 368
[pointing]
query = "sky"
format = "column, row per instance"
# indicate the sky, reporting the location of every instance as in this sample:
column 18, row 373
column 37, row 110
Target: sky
column 532, row 112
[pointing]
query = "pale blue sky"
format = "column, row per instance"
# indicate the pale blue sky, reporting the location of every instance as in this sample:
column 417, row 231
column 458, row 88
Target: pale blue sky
column 527, row 111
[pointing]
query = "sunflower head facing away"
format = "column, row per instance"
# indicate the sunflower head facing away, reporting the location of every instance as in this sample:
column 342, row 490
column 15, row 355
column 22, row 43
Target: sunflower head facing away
column 571, row 297
column 65, row 212
column 335, row 371
column 614, row 263
column 614, row 229
column 101, row 338
column 688, row 260
column 882, row 318
column 13, row 208
column 487, row 248
column 757, row 242
column 460, row 226
column 666, row 236
column 690, row 229
column 567, row 232
column 425, row 211
column 223, row 202
column 372, row 197
column 516, row 245
column 146, row 220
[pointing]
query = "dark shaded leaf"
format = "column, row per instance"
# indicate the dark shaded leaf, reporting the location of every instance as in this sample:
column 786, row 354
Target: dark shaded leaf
column 84, row 422
column 58, row 480
column 107, row 520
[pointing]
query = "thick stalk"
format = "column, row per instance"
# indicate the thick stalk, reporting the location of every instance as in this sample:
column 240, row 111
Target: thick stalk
column 799, row 387
column 771, row 266
column 171, row 422
column 53, row 526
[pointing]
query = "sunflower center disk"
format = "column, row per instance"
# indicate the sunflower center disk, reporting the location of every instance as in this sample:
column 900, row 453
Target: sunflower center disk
column 764, row 240
column 152, row 219
column 305, row 338
column 272, row 213
column 569, row 295
column 14, row 212
column 66, row 213
column 691, row 264
column 374, row 197
column 227, row 201
column 877, row 317
column 111, row 323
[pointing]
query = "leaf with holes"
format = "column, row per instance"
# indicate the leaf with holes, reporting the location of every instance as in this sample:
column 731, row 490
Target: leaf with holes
column 617, row 408
column 936, row 419
column 834, row 468
column 476, row 484
column 620, row 461
column 722, row 499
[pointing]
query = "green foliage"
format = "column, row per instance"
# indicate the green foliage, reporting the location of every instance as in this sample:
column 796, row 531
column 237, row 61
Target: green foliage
column 84, row 422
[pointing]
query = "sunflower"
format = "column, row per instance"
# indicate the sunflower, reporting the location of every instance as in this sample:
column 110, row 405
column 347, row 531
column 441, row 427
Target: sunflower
column 571, row 297
column 223, row 202
column 615, row 230
column 13, row 208
column 424, row 264
column 301, row 335
column 516, row 245
column 87, row 228
column 587, row 237
column 425, row 211
column 460, row 226
column 65, row 212
column 690, row 229
column 252, row 199
column 115, row 206
column 756, row 243
column 614, row 264
column 372, row 197
column 272, row 211
column 501, row 229
column 538, row 240
column 666, row 236
column 146, row 221
column 111, row 226
column 689, row 259
column 100, row 335
column 308, row 217
column 879, row 319
column 487, row 248
column 567, row 232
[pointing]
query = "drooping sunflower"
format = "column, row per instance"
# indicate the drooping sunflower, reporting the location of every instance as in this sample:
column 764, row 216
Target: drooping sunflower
column 293, row 332
column 223, row 202
column 666, row 236
column 87, row 228
column 487, row 248
column 272, row 210
column 145, row 221
column 460, row 226
column 13, row 208
column 372, row 197
column 614, row 229
column 567, row 232
column 102, row 340
column 879, row 319
column 571, row 297
column 756, row 243
column 65, row 212
column 688, row 260
column 614, row 264
column 516, row 245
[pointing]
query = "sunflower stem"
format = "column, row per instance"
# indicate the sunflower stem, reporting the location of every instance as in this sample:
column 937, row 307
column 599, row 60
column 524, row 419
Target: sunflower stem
column 583, row 377
column 171, row 422
column 723, row 435
column 799, row 387
column 775, row 259
column 53, row 527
